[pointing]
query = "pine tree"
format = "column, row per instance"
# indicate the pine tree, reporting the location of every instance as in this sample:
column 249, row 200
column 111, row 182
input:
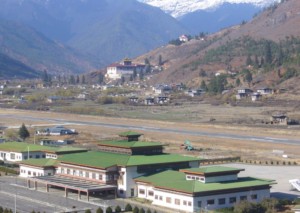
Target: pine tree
column 83, row 79
column 101, row 78
column 160, row 61
column 23, row 132
column 268, row 53
column 203, row 85
column 249, row 60
column 77, row 79
column 238, row 82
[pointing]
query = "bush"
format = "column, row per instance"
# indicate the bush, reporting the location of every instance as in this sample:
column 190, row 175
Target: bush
column 99, row 210
column 135, row 210
column 118, row 209
column 1, row 209
column 128, row 207
column 141, row 210
column 109, row 210
column 88, row 211
column 148, row 211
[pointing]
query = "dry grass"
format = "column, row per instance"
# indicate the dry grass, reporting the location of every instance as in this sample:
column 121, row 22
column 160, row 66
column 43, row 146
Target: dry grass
column 213, row 146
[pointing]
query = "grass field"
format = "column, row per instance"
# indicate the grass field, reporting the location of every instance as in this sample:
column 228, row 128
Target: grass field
column 212, row 147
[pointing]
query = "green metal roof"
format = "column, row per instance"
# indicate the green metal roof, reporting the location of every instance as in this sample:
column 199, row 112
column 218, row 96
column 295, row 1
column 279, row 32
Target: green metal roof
column 211, row 169
column 24, row 147
column 129, row 144
column 174, row 180
column 129, row 133
column 45, row 162
column 105, row 159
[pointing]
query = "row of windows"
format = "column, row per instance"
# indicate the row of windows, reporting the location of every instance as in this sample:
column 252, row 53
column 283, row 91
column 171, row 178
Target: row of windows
column 168, row 199
column 91, row 175
column 222, row 201
column 33, row 173
column 189, row 177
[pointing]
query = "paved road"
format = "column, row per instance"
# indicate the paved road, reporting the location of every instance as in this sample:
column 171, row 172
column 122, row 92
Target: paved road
column 163, row 130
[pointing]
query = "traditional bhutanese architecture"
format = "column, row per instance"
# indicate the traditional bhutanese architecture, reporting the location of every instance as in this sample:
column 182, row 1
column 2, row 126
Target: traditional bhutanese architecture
column 125, row 69
column 196, row 189
column 38, row 167
column 19, row 151
column 114, row 167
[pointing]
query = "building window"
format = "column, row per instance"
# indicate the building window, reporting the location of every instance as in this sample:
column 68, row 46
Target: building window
column 150, row 193
column 68, row 171
column 168, row 200
column 199, row 204
column 12, row 156
column 222, row 201
column 184, row 203
column 232, row 200
column 189, row 203
column 177, row 202
column 243, row 198
column 86, row 174
column 81, row 173
column 211, row 202
column 254, row 197
column 160, row 198
column 142, row 191
column 37, row 156
column 29, row 172
column 156, row 197
column 94, row 175
column 121, row 191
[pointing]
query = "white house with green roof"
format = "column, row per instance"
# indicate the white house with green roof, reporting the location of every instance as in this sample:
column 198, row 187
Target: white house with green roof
column 206, row 188
column 38, row 167
column 19, row 151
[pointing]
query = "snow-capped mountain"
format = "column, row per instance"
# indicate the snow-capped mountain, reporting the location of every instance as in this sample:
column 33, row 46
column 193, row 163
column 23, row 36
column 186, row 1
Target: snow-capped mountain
column 179, row 8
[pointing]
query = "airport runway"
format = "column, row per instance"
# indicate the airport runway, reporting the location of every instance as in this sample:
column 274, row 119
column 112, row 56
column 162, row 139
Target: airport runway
column 162, row 130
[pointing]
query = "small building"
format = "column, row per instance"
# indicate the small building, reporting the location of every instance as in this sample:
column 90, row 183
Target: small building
column 204, row 188
column 244, row 91
column 256, row 96
column 83, row 96
column 162, row 89
column 19, row 151
column 38, row 167
column 162, row 99
column 133, row 100
column 280, row 119
column 2, row 140
column 265, row 91
column 48, row 142
column 183, row 38
column 149, row 101
column 57, row 130
column 53, row 99
column 194, row 93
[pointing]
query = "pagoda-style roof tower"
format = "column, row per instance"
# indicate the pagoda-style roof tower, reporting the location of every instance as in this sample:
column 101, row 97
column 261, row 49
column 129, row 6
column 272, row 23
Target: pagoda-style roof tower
column 130, row 136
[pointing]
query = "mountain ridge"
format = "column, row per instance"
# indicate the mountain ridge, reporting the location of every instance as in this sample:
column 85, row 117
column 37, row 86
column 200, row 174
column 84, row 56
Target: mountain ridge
column 179, row 8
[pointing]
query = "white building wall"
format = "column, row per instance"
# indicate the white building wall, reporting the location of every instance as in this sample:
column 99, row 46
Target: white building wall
column 27, row 171
column 186, row 202
column 128, row 186
column 19, row 156
column 261, row 194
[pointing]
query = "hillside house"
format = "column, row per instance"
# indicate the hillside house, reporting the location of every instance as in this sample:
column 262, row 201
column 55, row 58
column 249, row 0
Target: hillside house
column 162, row 89
column 256, row 96
column 47, row 142
column 125, row 69
column 162, row 99
column 194, row 93
column 149, row 101
column 265, row 91
column 280, row 119
column 133, row 100
column 183, row 38
column 243, row 93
